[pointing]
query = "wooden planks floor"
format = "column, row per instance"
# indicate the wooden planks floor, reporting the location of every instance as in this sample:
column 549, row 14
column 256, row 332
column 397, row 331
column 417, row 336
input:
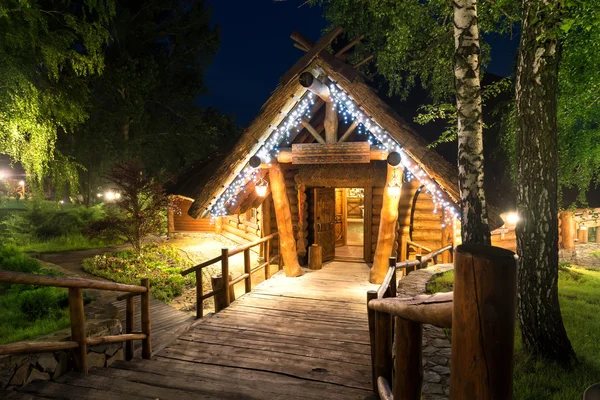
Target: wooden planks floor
column 292, row 338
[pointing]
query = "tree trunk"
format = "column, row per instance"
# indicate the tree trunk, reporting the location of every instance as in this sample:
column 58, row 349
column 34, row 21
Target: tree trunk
column 474, row 220
column 542, row 328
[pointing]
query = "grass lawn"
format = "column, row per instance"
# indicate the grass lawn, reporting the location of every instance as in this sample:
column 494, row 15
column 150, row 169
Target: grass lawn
column 579, row 295
column 162, row 264
column 69, row 242
column 28, row 311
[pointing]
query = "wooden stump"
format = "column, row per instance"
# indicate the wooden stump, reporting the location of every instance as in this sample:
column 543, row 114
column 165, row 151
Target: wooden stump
column 483, row 323
column 220, row 299
column 315, row 257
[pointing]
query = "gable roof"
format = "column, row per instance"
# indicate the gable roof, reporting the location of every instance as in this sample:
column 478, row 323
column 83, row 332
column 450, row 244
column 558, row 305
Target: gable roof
column 287, row 96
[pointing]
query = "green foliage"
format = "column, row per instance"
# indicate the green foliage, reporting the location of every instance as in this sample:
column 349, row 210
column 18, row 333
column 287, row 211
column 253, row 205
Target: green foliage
column 46, row 50
column 578, row 290
column 161, row 264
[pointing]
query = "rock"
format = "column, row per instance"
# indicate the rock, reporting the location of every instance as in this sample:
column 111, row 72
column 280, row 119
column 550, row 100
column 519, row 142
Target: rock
column 444, row 352
column 95, row 360
column 431, row 377
column 441, row 370
column 47, row 362
column 116, row 357
column 429, row 350
column 18, row 379
column 113, row 348
column 438, row 360
column 37, row 375
column 433, row 388
column 63, row 364
column 99, row 348
column 441, row 343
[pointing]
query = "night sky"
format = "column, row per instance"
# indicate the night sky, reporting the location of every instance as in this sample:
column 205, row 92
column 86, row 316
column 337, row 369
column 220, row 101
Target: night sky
column 256, row 50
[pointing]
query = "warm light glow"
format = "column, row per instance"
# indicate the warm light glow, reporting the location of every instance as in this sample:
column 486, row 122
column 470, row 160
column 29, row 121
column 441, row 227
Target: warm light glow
column 109, row 196
column 3, row 175
column 62, row 202
column 583, row 228
column 261, row 191
column 512, row 218
column 117, row 195
column 99, row 195
column 21, row 183
column 394, row 190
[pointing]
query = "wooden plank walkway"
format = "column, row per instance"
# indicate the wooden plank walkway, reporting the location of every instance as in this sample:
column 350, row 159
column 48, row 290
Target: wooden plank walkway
column 292, row 338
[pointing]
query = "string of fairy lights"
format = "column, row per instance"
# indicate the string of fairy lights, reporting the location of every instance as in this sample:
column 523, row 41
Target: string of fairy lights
column 350, row 112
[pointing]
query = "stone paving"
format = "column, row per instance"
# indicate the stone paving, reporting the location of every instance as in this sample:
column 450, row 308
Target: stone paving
column 585, row 255
column 436, row 346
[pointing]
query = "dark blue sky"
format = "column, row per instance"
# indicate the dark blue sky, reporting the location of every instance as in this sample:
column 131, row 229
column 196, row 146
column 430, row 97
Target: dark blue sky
column 256, row 50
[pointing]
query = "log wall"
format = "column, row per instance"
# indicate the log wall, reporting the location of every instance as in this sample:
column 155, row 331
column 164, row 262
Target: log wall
column 182, row 222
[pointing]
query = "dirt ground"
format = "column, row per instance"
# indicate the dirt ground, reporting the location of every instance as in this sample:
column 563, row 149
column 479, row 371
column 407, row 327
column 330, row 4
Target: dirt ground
column 202, row 247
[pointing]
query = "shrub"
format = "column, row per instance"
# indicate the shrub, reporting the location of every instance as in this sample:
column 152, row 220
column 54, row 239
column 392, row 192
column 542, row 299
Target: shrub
column 44, row 302
column 161, row 264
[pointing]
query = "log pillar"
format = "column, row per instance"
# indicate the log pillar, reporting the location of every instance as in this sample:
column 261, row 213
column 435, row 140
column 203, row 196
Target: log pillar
column 170, row 220
column 447, row 238
column 598, row 234
column 331, row 123
column 283, row 215
column 568, row 231
column 387, row 229
column 583, row 234
column 218, row 225
column 483, row 323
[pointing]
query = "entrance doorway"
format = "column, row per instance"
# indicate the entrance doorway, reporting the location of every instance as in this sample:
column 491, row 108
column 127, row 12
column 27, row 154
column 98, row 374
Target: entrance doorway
column 349, row 224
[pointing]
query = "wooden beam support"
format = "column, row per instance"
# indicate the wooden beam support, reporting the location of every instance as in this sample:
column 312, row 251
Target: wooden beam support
column 568, row 230
column 361, row 62
column 331, row 123
column 285, row 155
column 349, row 131
column 287, row 243
column 349, row 45
column 301, row 40
column 299, row 46
column 312, row 131
column 387, row 229
column 314, row 85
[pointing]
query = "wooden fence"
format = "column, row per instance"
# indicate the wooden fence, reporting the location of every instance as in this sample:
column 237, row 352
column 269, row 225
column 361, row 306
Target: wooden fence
column 481, row 313
column 79, row 340
column 223, row 292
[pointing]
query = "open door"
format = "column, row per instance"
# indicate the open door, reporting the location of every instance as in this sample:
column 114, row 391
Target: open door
column 340, row 217
column 324, row 221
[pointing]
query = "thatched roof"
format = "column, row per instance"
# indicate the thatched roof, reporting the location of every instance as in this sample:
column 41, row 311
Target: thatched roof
column 286, row 97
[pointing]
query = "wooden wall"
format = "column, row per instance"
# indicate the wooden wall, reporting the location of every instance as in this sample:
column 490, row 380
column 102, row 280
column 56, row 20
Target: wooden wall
column 182, row 222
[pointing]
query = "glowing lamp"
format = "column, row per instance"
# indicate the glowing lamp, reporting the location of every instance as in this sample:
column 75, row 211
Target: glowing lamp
column 21, row 183
column 583, row 228
column 109, row 196
column 261, row 187
column 512, row 218
column 117, row 195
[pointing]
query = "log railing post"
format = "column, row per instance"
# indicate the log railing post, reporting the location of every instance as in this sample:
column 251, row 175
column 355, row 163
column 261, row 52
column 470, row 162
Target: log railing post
column 129, row 322
column 383, row 345
column 393, row 282
column 268, row 259
column 145, row 314
column 372, row 294
column 408, row 371
column 247, row 270
column 483, row 323
column 199, row 290
column 419, row 257
column 78, row 329
column 225, row 275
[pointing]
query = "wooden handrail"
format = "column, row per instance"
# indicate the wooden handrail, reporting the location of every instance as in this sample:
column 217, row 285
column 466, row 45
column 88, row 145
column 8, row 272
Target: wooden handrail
column 79, row 340
column 226, row 285
column 45, row 280
column 411, row 243
column 433, row 309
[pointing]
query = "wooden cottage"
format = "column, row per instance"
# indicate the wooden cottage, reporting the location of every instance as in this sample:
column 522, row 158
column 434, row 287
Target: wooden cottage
column 327, row 162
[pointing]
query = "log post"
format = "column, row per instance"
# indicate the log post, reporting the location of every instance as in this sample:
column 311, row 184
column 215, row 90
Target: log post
column 247, row 270
column 170, row 221
column 447, row 238
column 394, row 281
column 383, row 364
column 419, row 258
column 287, row 243
column 199, row 289
column 218, row 225
column 371, row 295
column 78, row 335
column 268, row 259
column 315, row 257
column 408, row 372
column 568, row 230
column 145, row 311
column 483, row 323
column 598, row 234
column 331, row 123
column 225, row 276
column 129, row 323
column 583, row 234
column 387, row 230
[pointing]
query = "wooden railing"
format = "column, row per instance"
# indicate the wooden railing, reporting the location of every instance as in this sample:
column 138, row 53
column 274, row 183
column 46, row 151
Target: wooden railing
column 422, row 249
column 79, row 340
column 481, row 312
column 223, row 291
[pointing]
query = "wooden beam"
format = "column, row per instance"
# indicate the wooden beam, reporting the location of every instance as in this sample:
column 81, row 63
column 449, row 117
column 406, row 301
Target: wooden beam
column 299, row 46
column 285, row 154
column 331, row 123
column 287, row 243
column 337, row 153
column 349, row 45
column 387, row 229
column 568, row 230
column 312, row 131
column 301, row 40
column 349, row 131
column 317, row 87
column 311, row 55
column 361, row 62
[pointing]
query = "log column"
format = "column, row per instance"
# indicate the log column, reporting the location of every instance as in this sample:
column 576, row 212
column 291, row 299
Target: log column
column 583, row 234
column 287, row 243
column 387, row 229
column 483, row 323
column 331, row 123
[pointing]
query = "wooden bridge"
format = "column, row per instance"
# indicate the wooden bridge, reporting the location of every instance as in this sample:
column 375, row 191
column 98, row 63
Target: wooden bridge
column 293, row 338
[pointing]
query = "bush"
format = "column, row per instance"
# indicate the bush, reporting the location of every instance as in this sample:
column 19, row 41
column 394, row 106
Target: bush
column 161, row 264
column 44, row 302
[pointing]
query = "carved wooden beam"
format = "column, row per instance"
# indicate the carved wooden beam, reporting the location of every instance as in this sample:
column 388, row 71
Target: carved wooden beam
column 285, row 155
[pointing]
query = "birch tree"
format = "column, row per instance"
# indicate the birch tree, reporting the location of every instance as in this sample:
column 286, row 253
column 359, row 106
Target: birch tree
column 475, row 228
column 536, row 90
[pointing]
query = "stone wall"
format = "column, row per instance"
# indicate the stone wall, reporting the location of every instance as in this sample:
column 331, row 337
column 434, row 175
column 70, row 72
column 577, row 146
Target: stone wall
column 18, row 370
column 582, row 255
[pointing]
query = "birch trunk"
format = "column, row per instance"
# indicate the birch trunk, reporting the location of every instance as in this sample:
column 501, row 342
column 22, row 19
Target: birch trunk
column 542, row 327
column 474, row 219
